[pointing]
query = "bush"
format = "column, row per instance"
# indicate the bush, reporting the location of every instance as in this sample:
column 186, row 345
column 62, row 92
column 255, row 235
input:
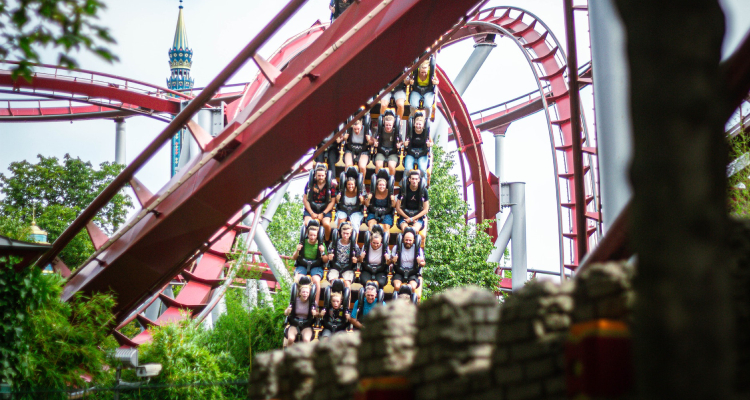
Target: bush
column 455, row 252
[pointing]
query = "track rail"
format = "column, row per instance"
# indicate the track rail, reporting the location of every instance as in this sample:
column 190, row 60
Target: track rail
column 548, row 63
column 199, row 200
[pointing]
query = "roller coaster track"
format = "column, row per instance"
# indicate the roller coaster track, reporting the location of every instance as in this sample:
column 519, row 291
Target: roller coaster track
column 547, row 61
column 61, row 92
column 305, row 77
column 264, row 138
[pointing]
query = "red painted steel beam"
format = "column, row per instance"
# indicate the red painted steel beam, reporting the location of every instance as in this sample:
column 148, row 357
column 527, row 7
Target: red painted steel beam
column 469, row 140
column 307, row 103
column 96, row 90
column 175, row 125
column 582, row 243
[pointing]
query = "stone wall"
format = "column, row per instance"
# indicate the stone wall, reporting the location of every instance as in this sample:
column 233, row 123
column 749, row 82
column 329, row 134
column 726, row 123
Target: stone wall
column 388, row 340
column 264, row 374
column 296, row 372
column 455, row 340
column 335, row 362
column 458, row 344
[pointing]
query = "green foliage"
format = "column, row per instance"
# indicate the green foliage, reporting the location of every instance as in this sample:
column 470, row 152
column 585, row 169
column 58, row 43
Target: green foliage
column 284, row 228
column 266, row 323
column 67, row 25
column 48, row 344
column 178, row 348
column 59, row 191
column 739, row 199
column 456, row 252
column 68, row 339
column 230, row 334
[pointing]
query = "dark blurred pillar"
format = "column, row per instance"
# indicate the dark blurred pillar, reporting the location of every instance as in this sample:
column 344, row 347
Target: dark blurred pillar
column 683, row 325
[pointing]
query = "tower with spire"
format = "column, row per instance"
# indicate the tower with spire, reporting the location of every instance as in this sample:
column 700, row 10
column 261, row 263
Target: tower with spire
column 180, row 62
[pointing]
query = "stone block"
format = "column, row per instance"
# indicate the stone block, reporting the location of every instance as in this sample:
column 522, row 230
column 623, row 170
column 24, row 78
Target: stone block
column 526, row 391
column 511, row 373
column 527, row 351
column 555, row 386
column 501, row 355
column 542, row 368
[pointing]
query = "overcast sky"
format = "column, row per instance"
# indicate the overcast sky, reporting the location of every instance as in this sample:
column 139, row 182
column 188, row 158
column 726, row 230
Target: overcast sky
column 218, row 29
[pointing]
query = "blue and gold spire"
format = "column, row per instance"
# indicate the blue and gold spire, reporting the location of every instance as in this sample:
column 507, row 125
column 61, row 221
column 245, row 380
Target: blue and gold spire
column 180, row 62
column 180, row 57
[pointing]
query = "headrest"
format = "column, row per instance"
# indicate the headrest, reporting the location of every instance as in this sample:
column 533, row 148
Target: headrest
column 405, row 289
column 373, row 284
column 410, row 229
column 352, row 172
column 337, row 286
column 390, row 112
column 304, row 280
column 383, row 173
column 313, row 222
column 419, row 113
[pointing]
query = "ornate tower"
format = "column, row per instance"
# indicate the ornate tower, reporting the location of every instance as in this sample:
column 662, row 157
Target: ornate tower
column 180, row 62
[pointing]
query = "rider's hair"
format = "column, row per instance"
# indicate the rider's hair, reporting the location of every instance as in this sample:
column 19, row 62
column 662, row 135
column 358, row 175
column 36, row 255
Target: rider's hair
column 346, row 226
column 381, row 179
column 425, row 62
column 351, row 179
column 389, row 118
column 377, row 235
column 335, row 295
column 414, row 172
column 312, row 228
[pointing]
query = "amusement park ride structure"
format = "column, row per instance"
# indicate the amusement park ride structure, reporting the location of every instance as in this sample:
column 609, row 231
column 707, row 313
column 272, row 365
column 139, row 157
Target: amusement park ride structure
column 189, row 226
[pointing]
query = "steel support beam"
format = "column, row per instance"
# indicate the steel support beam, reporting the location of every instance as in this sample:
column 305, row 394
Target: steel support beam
column 579, row 215
column 503, row 238
column 269, row 252
column 465, row 76
column 518, row 234
column 120, row 140
column 611, row 107
column 273, row 205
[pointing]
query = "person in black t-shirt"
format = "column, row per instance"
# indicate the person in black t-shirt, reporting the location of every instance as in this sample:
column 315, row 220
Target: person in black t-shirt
column 319, row 200
column 413, row 204
column 335, row 317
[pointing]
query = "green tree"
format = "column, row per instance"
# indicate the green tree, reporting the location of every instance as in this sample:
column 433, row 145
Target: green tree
column 67, row 25
column 47, row 344
column 59, row 191
column 285, row 227
column 456, row 252
column 185, row 360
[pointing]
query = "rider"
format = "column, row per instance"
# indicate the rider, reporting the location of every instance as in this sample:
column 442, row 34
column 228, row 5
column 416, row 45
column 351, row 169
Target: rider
column 343, row 256
column 356, row 146
column 349, row 205
column 423, row 88
column 331, row 154
column 413, row 204
column 304, row 311
column 371, row 291
column 387, row 143
column 319, row 200
column 399, row 96
column 334, row 317
column 313, row 256
column 408, row 260
column 375, row 259
column 337, row 7
column 380, row 206
column 417, row 143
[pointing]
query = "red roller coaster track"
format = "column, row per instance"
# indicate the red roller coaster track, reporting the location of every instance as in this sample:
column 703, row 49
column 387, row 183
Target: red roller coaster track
column 312, row 92
column 306, row 75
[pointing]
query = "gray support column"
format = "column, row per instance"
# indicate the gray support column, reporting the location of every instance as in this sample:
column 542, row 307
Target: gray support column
column 503, row 238
column 465, row 76
column 120, row 141
column 612, row 106
column 273, row 205
column 518, row 234
column 499, row 146
column 271, row 255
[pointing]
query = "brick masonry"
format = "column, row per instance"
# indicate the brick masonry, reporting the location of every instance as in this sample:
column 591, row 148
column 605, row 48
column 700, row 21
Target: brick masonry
column 460, row 343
